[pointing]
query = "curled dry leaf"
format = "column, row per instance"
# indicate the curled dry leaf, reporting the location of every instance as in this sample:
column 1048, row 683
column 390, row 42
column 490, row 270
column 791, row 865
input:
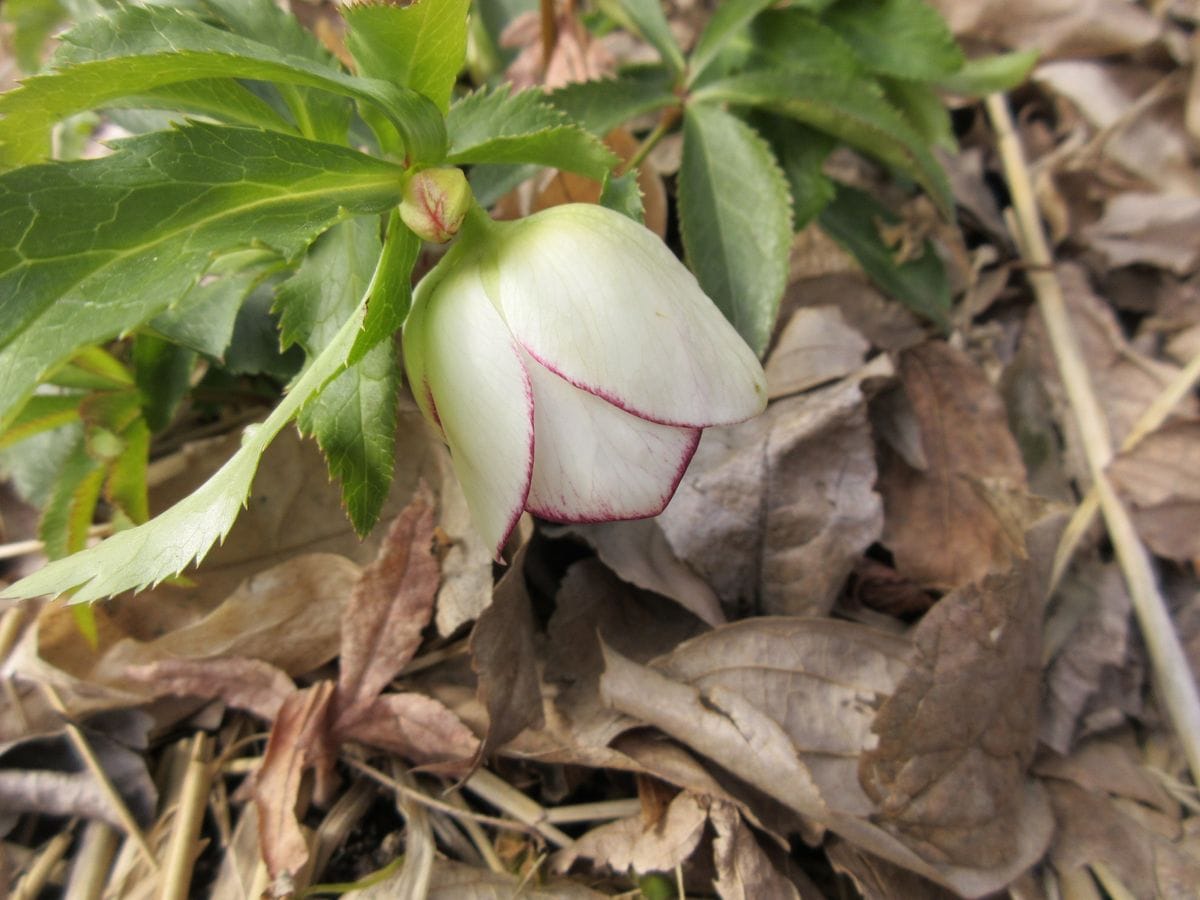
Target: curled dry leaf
column 634, row 843
column 816, row 346
column 780, row 507
column 248, row 684
column 744, row 871
column 466, row 587
column 1159, row 479
column 418, row 728
column 941, row 528
column 388, row 609
column 1160, row 230
column 504, row 657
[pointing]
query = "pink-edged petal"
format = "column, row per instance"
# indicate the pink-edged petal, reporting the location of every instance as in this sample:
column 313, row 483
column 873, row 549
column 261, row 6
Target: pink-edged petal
column 593, row 462
column 479, row 393
column 601, row 301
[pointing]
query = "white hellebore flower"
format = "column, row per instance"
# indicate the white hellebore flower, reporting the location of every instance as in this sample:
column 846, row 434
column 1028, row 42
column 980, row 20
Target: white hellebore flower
column 570, row 361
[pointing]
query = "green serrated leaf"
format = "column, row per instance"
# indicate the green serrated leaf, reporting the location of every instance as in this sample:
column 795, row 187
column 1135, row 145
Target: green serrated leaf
column 801, row 152
column 167, row 544
column 602, row 105
column 216, row 98
column 735, row 219
column 354, row 421
column 421, row 46
column 903, row 38
column 498, row 127
column 163, row 372
column 202, row 319
column 991, row 74
column 849, row 110
column 254, row 348
column 646, row 17
column 125, row 482
column 622, row 193
column 92, row 368
column 391, row 288
column 112, row 411
column 91, row 249
column 853, row 220
column 72, row 504
column 32, row 22
column 922, row 106
column 148, row 47
column 42, row 412
column 726, row 21
column 32, row 466
column 796, row 40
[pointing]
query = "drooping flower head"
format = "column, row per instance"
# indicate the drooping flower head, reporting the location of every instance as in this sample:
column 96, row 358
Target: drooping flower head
column 570, row 362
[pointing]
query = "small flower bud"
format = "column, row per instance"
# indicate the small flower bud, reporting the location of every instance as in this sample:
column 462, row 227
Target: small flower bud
column 435, row 203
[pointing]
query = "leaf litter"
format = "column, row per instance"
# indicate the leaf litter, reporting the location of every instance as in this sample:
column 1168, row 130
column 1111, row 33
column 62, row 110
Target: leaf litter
column 832, row 667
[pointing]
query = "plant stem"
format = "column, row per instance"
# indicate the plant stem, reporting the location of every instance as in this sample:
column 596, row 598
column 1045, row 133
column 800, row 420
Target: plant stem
column 666, row 122
column 1173, row 675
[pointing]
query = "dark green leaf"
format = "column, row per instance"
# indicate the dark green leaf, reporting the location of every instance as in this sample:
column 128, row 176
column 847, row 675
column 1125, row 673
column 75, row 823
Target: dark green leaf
column 421, row 46
column 920, row 284
column 796, row 40
column 904, row 38
column 735, row 220
column 498, row 127
column 602, row 105
column 72, row 504
column 91, row 249
column 801, row 152
column 163, row 372
column 167, row 47
column 254, row 347
column 848, row 110
column 32, row 466
column 125, row 485
column 921, row 105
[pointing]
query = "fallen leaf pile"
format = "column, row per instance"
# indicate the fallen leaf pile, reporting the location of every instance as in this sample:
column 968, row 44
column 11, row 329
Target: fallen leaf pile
column 844, row 662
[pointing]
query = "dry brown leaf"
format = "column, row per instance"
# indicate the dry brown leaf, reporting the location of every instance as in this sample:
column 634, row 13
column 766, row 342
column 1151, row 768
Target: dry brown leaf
column 884, row 322
column 456, row 881
column 941, row 528
column 1088, row 682
column 1160, row 230
column 249, row 684
column 1055, row 27
column 299, row 741
column 418, row 728
column 1113, row 765
column 958, row 734
column 466, row 587
column 1160, row 479
column 743, row 870
column 638, row 552
column 1091, row 829
column 634, row 843
column 778, row 509
column 387, row 611
column 878, row 879
column 504, row 657
column 816, row 346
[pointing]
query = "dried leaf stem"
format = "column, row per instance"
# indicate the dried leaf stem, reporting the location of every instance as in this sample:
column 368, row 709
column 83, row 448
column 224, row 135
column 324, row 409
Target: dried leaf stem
column 189, row 816
column 1176, row 685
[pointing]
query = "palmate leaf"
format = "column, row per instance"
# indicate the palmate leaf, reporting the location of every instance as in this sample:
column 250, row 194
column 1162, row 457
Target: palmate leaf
column 164, row 546
column 91, row 249
column 499, row 127
column 143, row 48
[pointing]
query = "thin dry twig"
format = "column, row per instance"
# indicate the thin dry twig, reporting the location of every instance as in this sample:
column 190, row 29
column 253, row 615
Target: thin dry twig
column 1176, row 686
column 500, row 793
column 36, row 878
column 193, row 799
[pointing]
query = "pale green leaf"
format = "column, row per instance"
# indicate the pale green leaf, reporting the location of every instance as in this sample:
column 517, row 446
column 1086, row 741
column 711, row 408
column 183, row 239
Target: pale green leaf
column 622, row 193
column 848, row 110
column 924, row 109
column 72, row 504
column 167, row 544
column 735, row 219
column 603, row 104
column 125, row 483
column 32, row 22
column 499, row 127
column 391, row 288
column 42, row 412
column 904, row 38
column 990, row 74
column 168, row 47
column 421, row 46
column 91, row 249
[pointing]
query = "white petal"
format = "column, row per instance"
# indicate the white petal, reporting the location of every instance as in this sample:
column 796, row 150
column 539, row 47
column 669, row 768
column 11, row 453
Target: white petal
column 473, row 384
column 601, row 301
column 593, row 462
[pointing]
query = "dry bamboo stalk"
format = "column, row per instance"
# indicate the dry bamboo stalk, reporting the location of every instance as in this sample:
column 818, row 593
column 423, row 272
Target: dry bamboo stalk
column 1176, row 685
column 176, row 875
column 92, row 862
column 500, row 793
column 38, row 875
column 602, row 810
